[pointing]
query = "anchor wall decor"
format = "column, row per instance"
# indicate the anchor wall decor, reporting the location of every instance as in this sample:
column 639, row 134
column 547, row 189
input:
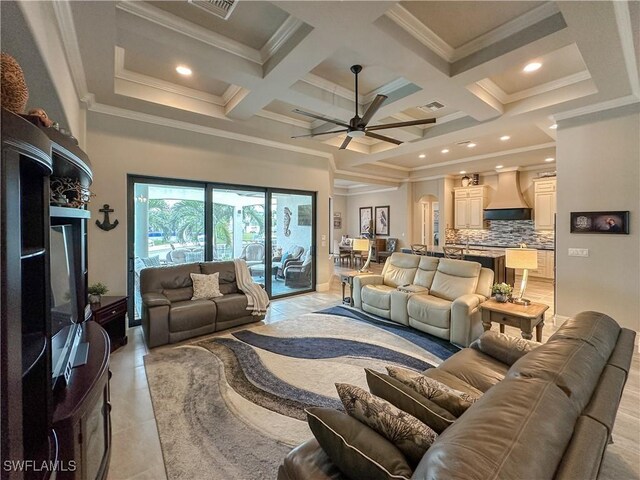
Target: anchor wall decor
column 106, row 225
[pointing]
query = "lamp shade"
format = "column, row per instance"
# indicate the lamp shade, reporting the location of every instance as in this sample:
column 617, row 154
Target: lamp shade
column 360, row 244
column 522, row 258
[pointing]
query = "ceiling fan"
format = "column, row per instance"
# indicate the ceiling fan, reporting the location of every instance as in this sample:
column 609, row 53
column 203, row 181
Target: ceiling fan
column 357, row 126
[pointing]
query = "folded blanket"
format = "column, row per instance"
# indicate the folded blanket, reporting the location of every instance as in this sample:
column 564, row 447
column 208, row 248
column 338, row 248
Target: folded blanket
column 257, row 298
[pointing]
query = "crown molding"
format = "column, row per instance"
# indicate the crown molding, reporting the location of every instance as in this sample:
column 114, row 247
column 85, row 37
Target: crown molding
column 623, row 20
column 179, row 25
column 278, row 117
column 215, row 132
column 597, row 107
column 385, row 89
column 280, row 37
column 484, row 156
column 503, row 97
column 428, row 178
column 366, row 175
column 64, row 18
column 418, row 30
column 329, row 86
column 391, row 166
column 379, row 190
column 506, row 30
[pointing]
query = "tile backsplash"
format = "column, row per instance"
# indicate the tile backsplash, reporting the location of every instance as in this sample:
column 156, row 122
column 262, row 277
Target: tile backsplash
column 504, row 233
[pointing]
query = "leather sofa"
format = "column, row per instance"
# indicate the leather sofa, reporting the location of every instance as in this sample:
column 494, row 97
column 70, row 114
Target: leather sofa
column 443, row 301
column 168, row 313
column 547, row 416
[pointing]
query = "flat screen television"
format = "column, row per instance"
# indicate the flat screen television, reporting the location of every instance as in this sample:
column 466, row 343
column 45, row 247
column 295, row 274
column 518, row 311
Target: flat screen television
column 66, row 329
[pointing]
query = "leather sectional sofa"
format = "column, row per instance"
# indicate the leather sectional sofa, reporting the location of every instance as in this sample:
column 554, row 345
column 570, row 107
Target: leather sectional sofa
column 443, row 299
column 168, row 313
column 547, row 416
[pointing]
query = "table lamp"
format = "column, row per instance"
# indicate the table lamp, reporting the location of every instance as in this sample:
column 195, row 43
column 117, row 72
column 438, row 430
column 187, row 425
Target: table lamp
column 524, row 258
column 362, row 245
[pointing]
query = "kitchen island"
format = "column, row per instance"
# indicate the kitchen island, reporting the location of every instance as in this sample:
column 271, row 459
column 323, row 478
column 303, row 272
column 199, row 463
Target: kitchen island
column 493, row 259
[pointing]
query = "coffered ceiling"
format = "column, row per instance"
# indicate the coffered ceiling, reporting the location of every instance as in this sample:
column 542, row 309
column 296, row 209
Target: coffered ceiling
column 251, row 71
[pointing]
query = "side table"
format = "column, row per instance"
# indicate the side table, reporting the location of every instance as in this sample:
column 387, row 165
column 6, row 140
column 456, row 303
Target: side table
column 111, row 314
column 347, row 279
column 524, row 317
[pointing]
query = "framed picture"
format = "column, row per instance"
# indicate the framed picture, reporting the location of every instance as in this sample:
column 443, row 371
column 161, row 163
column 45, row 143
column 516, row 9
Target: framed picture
column 366, row 220
column 304, row 215
column 337, row 220
column 382, row 220
column 600, row 222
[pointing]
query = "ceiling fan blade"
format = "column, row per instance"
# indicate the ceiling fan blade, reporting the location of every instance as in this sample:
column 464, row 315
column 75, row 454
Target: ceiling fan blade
column 323, row 133
column 382, row 137
column 402, row 124
column 373, row 108
column 345, row 143
column 320, row 117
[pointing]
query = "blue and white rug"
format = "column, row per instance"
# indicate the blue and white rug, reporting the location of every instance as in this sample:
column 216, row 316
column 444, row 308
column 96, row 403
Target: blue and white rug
column 242, row 395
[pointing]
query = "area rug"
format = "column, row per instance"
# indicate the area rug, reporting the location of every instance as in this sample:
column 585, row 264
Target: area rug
column 231, row 406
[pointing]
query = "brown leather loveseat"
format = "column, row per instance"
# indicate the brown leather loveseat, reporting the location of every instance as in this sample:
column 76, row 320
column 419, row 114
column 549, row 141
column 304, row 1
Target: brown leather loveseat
column 547, row 416
column 168, row 313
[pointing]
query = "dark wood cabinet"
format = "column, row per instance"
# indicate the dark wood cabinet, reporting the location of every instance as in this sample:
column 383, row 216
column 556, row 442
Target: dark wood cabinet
column 111, row 314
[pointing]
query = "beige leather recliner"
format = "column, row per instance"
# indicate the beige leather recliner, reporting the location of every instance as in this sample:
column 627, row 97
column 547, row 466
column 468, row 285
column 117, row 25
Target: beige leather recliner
column 443, row 300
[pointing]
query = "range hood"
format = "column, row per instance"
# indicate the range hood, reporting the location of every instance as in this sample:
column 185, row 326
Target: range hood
column 508, row 202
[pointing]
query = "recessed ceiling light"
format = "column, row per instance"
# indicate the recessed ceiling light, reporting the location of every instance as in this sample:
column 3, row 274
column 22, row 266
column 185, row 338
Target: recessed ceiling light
column 422, row 155
column 531, row 67
column 549, row 159
column 182, row 70
column 445, row 150
column 499, row 166
column 554, row 126
column 504, row 138
column 471, row 145
column 462, row 172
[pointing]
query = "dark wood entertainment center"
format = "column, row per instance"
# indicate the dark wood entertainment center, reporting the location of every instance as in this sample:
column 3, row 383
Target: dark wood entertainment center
column 68, row 428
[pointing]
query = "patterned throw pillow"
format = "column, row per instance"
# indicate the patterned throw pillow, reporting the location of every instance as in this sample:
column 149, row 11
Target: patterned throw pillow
column 455, row 401
column 412, row 437
column 205, row 286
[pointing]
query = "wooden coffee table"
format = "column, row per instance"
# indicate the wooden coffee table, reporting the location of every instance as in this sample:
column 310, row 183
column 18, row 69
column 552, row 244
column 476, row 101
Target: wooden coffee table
column 524, row 317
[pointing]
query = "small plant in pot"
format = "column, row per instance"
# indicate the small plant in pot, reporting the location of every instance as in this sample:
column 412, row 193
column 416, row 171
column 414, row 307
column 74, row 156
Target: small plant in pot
column 502, row 292
column 96, row 291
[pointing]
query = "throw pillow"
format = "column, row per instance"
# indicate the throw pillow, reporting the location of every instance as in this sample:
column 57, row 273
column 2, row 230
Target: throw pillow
column 455, row 401
column 357, row 450
column 205, row 286
column 504, row 348
column 408, row 400
column 412, row 437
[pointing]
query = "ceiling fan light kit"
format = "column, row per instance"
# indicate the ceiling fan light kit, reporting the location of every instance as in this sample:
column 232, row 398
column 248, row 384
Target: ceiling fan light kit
column 358, row 126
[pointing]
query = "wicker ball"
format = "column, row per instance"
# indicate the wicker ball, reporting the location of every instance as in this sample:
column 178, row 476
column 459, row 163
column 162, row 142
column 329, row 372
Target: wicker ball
column 14, row 88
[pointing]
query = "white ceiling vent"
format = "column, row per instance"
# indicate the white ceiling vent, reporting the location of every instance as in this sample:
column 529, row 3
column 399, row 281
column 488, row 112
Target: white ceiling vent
column 220, row 8
column 431, row 107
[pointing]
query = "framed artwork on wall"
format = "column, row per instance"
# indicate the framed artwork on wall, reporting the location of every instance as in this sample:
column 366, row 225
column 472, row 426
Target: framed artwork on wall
column 337, row 220
column 382, row 220
column 600, row 222
column 366, row 220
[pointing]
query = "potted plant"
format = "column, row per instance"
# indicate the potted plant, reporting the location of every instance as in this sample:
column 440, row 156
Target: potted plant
column 502, row 292
column 96, row 291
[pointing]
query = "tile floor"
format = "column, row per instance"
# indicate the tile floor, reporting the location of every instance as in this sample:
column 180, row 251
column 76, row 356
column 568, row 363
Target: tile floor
column 136, row 452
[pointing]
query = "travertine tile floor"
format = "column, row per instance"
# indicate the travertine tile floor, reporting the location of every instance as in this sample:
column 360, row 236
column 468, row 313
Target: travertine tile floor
column 136, row 452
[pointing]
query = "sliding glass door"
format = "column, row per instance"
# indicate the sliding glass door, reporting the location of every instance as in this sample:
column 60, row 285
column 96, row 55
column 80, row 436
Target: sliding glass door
column 173, row 222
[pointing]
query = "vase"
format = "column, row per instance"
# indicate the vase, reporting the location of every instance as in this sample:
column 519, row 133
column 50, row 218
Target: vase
column 502, row 298
column 93, row 299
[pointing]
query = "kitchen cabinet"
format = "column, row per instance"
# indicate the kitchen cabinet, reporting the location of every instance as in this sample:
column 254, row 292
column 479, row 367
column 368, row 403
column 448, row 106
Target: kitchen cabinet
column 545, row 265
column 544, row 203
column 469, row 205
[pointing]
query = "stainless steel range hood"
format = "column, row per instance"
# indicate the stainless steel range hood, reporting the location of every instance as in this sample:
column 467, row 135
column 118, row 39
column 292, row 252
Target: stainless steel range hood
column 508, row 202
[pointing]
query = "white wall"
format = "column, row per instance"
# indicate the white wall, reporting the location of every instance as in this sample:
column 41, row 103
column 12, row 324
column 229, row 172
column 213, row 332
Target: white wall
column 340, row 206
column 118, row 147
column 399, row 213
column 598, row 170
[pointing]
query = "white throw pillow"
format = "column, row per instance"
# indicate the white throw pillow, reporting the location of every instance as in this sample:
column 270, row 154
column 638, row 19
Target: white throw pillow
column 205, row 286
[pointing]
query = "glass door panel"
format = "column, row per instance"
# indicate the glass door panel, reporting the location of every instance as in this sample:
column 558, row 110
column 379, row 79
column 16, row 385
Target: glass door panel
column 169, row 229
column 292, row 234
column 239, row 227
